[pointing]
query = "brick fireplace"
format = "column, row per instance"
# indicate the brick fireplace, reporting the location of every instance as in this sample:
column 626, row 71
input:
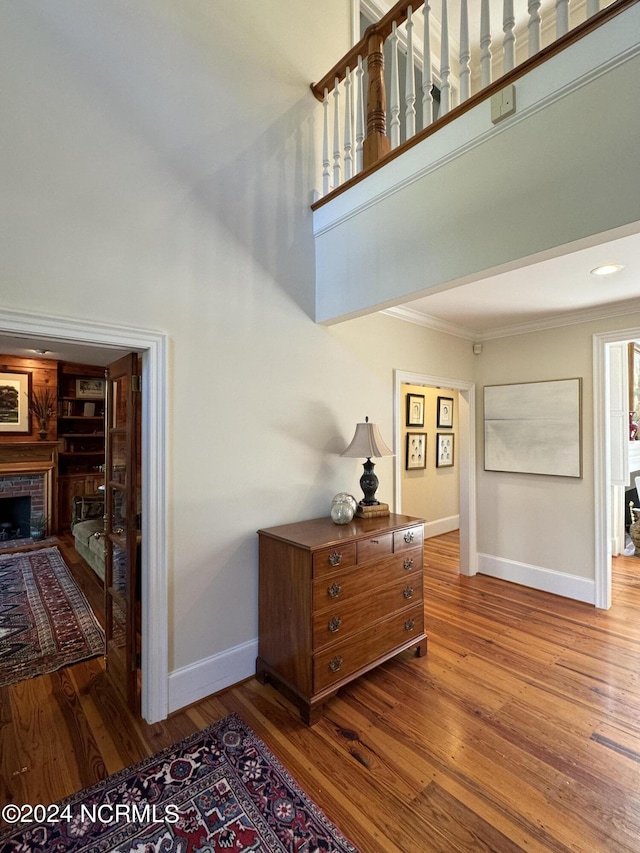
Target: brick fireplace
column 27, row 470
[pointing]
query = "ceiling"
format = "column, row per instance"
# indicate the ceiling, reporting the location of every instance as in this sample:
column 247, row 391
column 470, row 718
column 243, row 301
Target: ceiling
column 551, row 292
column 59, row 350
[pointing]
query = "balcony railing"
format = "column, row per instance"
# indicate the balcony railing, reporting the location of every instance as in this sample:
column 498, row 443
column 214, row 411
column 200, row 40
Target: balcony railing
column 369, row 119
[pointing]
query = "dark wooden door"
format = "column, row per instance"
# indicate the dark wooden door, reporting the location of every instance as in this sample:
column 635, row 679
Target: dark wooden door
column 122, row 528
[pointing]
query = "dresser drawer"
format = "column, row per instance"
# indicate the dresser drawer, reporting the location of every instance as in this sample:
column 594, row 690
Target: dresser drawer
column 342, row 586
column 375, row 547
column 350, row 616
column 342, row 659
column 330, row 559
column 412, row 537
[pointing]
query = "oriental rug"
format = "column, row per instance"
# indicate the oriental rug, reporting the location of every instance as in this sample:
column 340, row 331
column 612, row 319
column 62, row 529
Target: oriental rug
column 45, row 619
column 220, row 789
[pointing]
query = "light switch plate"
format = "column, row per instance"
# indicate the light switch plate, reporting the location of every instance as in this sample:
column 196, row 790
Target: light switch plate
column 503, row 103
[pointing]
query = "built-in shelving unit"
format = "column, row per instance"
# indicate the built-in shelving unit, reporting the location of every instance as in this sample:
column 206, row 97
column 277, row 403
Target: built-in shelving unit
column 81, row 401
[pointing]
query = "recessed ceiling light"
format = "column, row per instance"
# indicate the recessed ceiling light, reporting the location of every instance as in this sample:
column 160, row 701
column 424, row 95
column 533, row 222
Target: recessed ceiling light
column 607, row 269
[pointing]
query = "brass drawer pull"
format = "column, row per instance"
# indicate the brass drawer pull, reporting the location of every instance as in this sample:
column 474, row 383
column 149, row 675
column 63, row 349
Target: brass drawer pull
column 335, row 664
column 409, row 625
column 408, row 592
column 334, row 590
column 334, row 624
column 408, row 536
column 375, row 541
column 408, row 564
column 335, row 558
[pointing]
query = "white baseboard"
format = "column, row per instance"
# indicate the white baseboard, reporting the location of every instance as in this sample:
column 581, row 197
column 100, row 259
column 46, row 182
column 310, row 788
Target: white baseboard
column 441, row 525
column 210, row 675
column 536, row 577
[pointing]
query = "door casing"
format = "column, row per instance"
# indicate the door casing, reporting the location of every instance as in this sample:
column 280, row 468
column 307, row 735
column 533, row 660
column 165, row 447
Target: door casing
column 153, row 347
column 467, row 456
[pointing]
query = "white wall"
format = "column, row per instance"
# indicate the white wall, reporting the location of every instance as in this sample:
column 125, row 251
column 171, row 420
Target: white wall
column 539, row 529
column 157, row 164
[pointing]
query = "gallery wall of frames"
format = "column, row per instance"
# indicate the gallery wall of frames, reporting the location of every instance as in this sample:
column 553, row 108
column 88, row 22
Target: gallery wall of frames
column 429, row 480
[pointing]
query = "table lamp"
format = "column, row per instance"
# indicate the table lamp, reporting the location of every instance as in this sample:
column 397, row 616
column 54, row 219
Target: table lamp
column 368, row 442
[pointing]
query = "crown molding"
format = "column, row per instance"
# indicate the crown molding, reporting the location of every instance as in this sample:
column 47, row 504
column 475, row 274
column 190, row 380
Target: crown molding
column 572, row 318
column 410, row 315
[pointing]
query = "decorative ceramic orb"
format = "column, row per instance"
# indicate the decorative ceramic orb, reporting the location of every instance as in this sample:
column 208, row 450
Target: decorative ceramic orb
column 341, row 512
column 345, row 497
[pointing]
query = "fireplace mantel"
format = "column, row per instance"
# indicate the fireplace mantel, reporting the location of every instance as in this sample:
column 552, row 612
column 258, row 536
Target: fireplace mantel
column 28, row 451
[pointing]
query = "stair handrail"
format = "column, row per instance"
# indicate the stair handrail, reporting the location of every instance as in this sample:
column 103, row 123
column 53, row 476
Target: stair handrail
column 378, row 151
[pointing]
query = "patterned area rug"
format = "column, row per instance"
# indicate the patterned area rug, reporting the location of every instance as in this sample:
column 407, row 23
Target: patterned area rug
column 45, row 620
column 218, row 790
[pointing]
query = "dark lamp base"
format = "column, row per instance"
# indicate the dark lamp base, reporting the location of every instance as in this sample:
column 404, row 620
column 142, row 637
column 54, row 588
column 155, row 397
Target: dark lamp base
column 369, row 484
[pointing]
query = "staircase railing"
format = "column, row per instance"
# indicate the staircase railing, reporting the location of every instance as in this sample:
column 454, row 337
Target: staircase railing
column 450, row 77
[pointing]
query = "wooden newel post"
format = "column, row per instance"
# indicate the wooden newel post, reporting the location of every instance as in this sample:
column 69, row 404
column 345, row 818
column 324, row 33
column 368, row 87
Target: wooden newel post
column 376, row 143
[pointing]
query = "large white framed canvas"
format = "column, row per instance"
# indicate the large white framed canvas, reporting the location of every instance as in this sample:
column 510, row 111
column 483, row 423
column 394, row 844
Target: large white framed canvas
column 534, row 428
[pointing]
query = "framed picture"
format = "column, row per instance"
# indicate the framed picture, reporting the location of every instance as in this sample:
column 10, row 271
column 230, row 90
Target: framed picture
column 15, row 396
column 416, row 450
column 415, row 410
column 90, row 388
column 444, row 450
column 445, row 412
column 534, row 428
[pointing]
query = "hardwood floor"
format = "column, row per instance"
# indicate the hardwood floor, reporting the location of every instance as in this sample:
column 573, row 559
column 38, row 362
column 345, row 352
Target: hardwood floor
column 520, row 729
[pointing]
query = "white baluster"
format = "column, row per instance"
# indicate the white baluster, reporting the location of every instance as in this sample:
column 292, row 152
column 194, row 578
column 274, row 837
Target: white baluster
column 359, row 116
column 485, row 44
column 509, row 41
column 427, row 76
column 410, row 82
column 394, row 94
column 336, row 135
column 593, row 6
column 562, row 17
column 445, row 68
column 348, row 118
column 465, row 52
column 534, row 27
column 325, row 145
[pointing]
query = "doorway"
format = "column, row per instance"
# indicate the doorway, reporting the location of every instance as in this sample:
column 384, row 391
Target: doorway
column 465, row 451
column 85, row 335
column 604, row 347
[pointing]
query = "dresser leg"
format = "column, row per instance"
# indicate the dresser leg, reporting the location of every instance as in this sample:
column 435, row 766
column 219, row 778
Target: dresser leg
column 311, row 714
column 261, row 674
column 421, row 649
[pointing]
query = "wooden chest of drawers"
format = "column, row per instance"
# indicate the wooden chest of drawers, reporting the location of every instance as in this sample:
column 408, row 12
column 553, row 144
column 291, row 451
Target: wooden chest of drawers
column 335, row 601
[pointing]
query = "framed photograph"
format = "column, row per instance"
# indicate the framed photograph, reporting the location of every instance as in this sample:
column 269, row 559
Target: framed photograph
column 416, row 450
column 415, row 410
column 15, row 396
column 534, row 428
column 90, row 389
column 445, row 412
column 444, row 450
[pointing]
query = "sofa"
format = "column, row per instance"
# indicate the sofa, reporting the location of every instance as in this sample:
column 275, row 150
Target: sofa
column 87, row 526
